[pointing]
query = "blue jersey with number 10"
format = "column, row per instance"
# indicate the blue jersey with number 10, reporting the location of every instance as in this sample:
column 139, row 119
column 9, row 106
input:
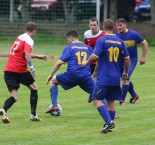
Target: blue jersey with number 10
column 74, row 54
column 110, row 50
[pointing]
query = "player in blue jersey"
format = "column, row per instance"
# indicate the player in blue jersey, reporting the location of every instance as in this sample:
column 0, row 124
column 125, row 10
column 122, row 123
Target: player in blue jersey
column 109, row 50
column 73, row 54
column 131, row 39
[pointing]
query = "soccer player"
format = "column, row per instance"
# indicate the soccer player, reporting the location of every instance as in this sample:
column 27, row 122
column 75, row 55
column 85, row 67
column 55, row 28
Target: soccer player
column 109, row 50
column 16, row 72
column 90, row 37
column 131, row 39
column 73, row 54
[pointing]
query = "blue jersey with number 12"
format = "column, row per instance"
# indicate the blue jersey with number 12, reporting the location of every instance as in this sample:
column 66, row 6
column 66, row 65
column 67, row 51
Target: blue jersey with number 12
column 110, row 50
column 74, row 54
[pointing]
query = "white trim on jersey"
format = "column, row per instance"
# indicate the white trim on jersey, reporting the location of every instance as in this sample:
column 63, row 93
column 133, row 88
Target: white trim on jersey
column 88, row 34
column 25, row 37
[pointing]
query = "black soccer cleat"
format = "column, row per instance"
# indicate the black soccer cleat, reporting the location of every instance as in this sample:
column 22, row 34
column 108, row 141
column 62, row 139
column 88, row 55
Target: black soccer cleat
column 90, row 99
column 108, row 127
column 134, row 99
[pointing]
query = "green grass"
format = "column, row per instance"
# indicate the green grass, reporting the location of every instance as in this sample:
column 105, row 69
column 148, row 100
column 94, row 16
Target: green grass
column 80, row 122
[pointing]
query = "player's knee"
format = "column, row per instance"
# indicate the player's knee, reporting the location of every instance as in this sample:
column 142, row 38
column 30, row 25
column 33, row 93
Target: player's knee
column 125, row 82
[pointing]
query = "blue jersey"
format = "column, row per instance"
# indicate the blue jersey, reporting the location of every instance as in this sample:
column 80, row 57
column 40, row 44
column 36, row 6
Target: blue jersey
column 74, row 54
column 110, row 50
column 131, row 39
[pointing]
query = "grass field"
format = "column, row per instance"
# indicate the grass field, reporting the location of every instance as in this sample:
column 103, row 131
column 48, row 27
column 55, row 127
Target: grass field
column 79, row 123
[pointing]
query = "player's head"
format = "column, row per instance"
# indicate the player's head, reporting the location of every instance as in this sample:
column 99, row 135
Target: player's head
column 93, row 25
column 72, row 36
column 30, row 28
column 121, row 25
column 108, row 25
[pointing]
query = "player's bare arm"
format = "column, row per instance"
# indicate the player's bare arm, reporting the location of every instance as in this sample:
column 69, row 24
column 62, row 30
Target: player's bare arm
column 44, row 57
column 144, row 52
column 95, row 71
column 55, row 69
column 91, row 59
column 28, row 58
column 126, row 68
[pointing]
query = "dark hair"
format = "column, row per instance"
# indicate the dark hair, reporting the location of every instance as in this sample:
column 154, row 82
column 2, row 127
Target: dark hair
column 30, row 26
column 72, row 33
column 108, row 25
column 122, row 20
column 93, row 20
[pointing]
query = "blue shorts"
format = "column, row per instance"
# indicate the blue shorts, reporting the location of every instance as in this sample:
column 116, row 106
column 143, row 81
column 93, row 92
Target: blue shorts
column 67, row 81
column 110, row 93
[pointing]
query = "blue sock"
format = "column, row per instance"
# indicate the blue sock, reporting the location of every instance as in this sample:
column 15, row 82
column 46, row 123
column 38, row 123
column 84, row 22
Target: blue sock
column 105, row 102
column 54, row 95
column 104, row 113
column 112, row 114
column 124, row 91
column 131, row 90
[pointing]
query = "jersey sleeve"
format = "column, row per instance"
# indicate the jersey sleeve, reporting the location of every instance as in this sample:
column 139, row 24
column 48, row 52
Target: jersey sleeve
column 65, row 54
column 28, row 48
column 98, row 47
column 138, row 38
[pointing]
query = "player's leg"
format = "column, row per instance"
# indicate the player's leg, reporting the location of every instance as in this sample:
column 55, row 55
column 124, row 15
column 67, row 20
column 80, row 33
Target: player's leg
column 134, row 96
column 33, row 102
column 92, row 68
column 28, row 80
column 66, row 83
column 131, row 90
column 13, row 86
column 125, row 87
column 104, row 113
column 53, row 95
column 102, row 109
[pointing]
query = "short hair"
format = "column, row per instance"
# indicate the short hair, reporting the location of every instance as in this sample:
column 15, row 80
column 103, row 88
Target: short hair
column 72, row 33
column 122, row 20
column 109, row 24
column 30, row 26
column 93, row 20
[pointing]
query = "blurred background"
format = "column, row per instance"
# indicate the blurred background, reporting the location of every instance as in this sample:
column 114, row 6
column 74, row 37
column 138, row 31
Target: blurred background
column 55, row 18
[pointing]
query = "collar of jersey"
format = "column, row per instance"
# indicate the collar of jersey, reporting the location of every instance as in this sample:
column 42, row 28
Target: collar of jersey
column 77, row 42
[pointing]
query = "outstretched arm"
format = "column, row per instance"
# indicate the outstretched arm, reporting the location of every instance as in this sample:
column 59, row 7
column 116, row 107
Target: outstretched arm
column 144, row 52
column 44, row 57
column 55, row 69
column 91, row 59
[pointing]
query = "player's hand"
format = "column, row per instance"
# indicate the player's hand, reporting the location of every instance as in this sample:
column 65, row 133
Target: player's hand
column 44, row 57
column 84, row 63
column 33, row 73
column 48, row 79
column 124, row 76
column 142, row 61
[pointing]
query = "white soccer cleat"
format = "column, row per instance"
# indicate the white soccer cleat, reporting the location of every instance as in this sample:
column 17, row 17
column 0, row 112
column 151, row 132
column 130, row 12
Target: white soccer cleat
column 5, row 119
column 35, row 118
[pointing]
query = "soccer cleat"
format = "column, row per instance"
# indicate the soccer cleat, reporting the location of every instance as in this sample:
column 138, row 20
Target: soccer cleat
column 117, row 116
column 108, row 127
column 5, row 119
column 89, row 99
column 134, row 99
column 121, row 102
column 52, row 109
column 35, row 118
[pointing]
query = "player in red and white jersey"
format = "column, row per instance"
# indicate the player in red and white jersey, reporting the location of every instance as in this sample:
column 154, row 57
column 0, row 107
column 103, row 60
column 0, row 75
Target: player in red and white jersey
column 16, row 72
column 17, row 61
column 90, row 37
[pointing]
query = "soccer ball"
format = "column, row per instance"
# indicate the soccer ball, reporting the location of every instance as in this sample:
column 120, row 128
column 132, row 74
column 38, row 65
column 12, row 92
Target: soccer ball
column 56, row 113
